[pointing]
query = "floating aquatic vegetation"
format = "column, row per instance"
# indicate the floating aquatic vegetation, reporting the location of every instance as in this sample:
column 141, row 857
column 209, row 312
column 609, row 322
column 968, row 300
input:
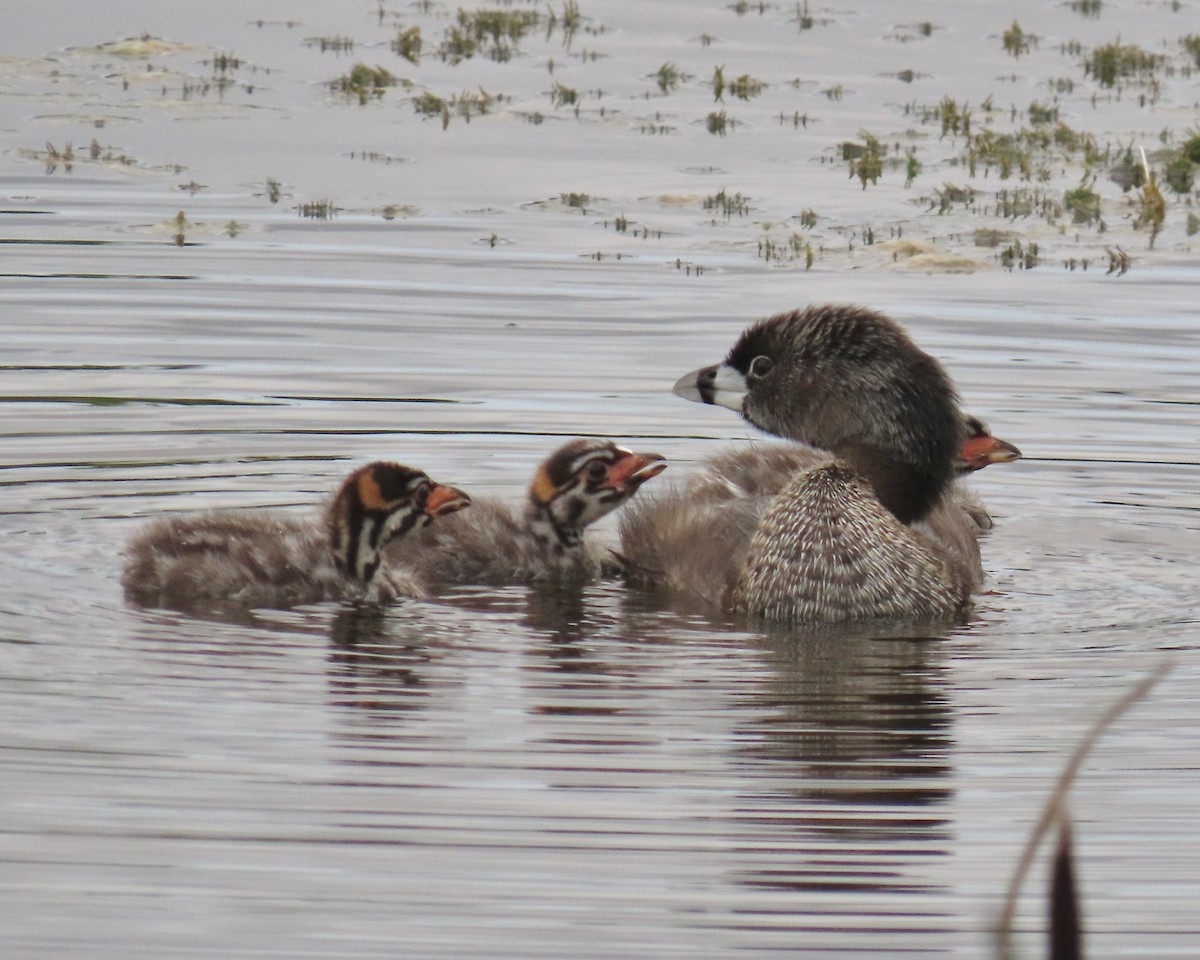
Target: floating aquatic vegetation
column 1121, row 61
column 494, row 34
column 727, row 205
column 318, row 210
column 1180, row 173
column 407, row 44
column 465, row 105
column 1191, row 43
column 1017, row 41
column 564, row 96
column 669, row 77
column 1022, row 202
column 718, row 123
column 364, row 82
column 1118, row 261
column 789, row 250
column 865, row 159
column 1083, row 203
column 1016, row 254
column 1089, row 8
column 746, row 86
column 337, row 44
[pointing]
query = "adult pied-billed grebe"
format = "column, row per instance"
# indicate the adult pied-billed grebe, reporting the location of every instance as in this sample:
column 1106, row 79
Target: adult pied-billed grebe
column 241, row 560
column 494, row 542
column 863, row 526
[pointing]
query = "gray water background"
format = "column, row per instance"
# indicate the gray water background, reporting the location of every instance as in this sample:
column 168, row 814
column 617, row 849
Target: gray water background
column 515, row 773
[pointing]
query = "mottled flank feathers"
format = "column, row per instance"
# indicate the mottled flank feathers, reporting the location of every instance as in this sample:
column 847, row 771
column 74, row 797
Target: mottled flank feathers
column 869, row 564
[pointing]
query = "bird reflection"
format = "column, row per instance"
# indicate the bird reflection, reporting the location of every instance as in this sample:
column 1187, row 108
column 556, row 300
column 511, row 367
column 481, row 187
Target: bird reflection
column 376, row 662
column 852, row 734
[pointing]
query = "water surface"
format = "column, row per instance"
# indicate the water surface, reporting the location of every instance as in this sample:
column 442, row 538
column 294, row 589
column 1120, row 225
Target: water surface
column 529, row 773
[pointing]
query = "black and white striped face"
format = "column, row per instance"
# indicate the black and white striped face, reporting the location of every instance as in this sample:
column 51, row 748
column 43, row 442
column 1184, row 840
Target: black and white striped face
column 584, row 480
column 379, row 503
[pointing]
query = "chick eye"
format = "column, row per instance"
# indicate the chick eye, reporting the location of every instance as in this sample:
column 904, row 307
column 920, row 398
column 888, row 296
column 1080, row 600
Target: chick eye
column 421, row 493
column 759, row 368
column 597, row 470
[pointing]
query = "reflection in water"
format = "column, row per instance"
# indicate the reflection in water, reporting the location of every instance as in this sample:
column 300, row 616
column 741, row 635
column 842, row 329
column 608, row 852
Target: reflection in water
column 371, row 668
column 851, row 737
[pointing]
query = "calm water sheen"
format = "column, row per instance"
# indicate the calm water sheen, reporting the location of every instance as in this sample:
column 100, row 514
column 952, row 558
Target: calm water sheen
column 527, row 773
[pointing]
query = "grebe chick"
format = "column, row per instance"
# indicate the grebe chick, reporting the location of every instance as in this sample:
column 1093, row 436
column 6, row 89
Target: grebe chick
column 981, row 449
column 240, row 560
column 574, row 487
column 841, row 539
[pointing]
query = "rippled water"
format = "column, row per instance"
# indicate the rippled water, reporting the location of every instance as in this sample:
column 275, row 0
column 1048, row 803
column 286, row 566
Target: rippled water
column 530, row 773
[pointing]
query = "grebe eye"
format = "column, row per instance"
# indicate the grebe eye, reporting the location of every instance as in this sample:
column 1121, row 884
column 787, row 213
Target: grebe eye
column 597, row 470
column 760, row 367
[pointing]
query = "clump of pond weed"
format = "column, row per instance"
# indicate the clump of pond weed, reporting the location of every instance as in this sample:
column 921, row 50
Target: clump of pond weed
column 789, row 250
column 1127, row 171
column 1022, row 202
column 338, row 44
column 1118, row 261
column 743, row 7
column 728, row 205
column 364, row 82
column 317, row 210
column 465, row 105
column 1026, row 256
column 669, row 77
column 718, row 123
column 803, row 18
column 407, row 44
column 1017, row 41
column 948, row 195
column 1180, row 172
column 1121, row 61
column 865, row 159
column 563, row 96
column 1083, row 203
column 1191, row 43
column 495, row 34
column 744, row 87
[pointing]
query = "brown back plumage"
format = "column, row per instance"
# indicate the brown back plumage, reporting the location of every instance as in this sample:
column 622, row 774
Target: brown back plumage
column 225, row 561
column 575, row 486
